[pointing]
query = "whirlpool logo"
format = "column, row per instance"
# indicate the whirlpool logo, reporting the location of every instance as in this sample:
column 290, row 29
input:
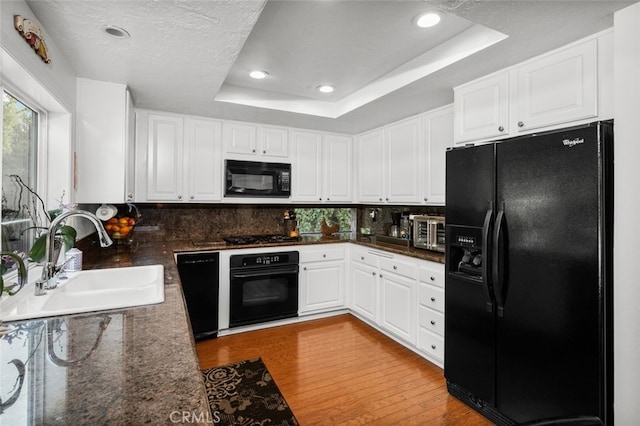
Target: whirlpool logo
column 572, row 142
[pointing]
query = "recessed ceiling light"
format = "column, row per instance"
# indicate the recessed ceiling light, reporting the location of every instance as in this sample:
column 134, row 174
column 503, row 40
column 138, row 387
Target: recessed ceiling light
column 428, row 20
column 258, row 75
column 325, row 88
column 116, row 32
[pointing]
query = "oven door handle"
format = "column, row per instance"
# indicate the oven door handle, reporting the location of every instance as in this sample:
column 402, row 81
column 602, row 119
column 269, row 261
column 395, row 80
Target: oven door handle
column 264, row 271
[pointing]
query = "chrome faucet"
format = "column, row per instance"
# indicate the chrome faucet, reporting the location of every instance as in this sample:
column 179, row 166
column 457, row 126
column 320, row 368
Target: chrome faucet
column 50, row 269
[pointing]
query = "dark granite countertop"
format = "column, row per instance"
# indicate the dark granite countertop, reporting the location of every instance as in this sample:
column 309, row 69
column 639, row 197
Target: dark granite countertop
column 119, row 367
column 129, row 366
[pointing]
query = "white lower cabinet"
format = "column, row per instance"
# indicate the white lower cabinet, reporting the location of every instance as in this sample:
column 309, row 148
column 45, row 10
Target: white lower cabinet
column 322, row 279
column 364, row 286
column 402, row 296
column 398, row 295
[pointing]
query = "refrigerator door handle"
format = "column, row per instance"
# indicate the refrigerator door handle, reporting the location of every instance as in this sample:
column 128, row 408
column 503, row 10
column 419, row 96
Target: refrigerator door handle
column 486, row 236
column 497, row 261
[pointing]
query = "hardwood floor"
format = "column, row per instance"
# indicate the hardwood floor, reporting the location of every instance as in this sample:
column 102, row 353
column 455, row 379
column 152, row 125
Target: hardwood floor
column 340, row 371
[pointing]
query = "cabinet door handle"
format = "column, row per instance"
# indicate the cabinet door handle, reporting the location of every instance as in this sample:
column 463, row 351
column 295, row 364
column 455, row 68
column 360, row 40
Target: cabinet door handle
column 387, row 199
column 327, row 199
column 520, row 124
column 264, row 152
column 374, row 274
column 432, row 278
column 433, row 299
column 253, row 150
column 361, row 257
column 324, row 255
column 426, row 199
column 433, row 347
column 433, row 322
column 395, row 267
column 380, row 275
column 380, row 199
column 304, row 269
column 501, row 129
column 179, row 197
column 192, row 197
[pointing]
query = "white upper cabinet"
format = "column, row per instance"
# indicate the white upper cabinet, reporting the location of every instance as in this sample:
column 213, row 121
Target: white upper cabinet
column 482, row 108
column 249, row 141
column 558, row 88
column 240, row 138
column 306, row 166
column 165, row 160
column 104, row 126
column 337, row 168
column 438, row 136
column 370, row 167
column 321, row 167
column 403, row 149
column 550, row 90
column 204, row 171
column 183, row 161
column 273, row 141
column 389, row 164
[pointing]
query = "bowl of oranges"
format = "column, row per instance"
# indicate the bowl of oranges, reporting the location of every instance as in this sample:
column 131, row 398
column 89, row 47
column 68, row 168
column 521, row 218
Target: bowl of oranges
column 120, row 228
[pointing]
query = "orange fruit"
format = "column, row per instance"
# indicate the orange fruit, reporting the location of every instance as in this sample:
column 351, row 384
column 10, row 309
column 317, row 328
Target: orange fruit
column 112, row 220
column 123, row 221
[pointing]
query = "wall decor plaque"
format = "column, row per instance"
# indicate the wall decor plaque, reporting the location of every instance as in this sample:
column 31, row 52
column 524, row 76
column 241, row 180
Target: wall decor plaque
column 32, row 33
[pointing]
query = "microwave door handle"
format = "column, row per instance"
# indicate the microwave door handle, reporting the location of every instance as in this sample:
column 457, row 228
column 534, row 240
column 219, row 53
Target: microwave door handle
column 486, row 235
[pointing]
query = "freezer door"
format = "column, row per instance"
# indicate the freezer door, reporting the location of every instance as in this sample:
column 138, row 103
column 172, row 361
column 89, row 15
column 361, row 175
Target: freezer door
column 547, row 276
column 469, row 314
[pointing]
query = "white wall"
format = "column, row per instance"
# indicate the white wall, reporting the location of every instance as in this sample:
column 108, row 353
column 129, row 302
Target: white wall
column 626, row 224
column 57, row 77
column 53, row 86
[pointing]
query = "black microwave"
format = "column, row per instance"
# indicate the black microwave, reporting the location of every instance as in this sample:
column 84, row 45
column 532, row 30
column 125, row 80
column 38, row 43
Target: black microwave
column 257, row 179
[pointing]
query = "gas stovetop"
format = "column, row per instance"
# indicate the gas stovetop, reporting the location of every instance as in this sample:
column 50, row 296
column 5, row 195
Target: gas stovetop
column 259, row 239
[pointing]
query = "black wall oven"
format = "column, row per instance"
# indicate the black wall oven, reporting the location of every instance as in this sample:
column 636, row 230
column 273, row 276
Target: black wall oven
column 257, row 179
column 264, row 287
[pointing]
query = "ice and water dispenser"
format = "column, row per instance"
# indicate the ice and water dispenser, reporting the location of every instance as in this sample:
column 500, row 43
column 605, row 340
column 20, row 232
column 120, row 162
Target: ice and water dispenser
column 465, row 252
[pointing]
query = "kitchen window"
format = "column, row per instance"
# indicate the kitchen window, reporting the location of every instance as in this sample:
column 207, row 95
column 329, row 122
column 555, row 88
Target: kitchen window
column 310, row 219
column 20, row 123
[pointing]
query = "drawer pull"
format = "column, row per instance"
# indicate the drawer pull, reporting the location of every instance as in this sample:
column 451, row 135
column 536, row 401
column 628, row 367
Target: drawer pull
column 433, row 322
column 433, row 347
column 433, row 299
column 395, row 267
column 432, row 278
column 374, row 273
column 361, row 257
column 324, row 255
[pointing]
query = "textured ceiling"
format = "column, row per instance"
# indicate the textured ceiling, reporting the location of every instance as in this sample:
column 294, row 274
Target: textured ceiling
column 182, row 54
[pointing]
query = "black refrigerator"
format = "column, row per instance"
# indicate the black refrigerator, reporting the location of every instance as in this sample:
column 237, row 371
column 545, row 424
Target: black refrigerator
column 528, row 283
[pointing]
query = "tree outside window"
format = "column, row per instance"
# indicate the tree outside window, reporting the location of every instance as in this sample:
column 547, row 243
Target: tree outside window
column 309, row 219
column 19, row 147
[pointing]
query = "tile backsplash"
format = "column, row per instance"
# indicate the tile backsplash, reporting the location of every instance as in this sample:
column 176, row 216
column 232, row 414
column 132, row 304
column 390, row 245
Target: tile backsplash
column 212, row 222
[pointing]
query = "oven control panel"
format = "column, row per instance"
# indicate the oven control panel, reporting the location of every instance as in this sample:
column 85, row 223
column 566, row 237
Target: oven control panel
column 264, row 259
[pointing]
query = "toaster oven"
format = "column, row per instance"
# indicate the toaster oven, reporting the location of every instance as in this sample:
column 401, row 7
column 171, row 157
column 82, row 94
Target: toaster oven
column 428, row 232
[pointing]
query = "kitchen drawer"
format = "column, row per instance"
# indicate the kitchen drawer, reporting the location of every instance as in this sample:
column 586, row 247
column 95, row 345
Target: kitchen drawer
column 431, row 343
column 432, row 276
column 399, row 267
column 321, row 255
column 431, row 320
column 431, row 296
column 365, row 257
